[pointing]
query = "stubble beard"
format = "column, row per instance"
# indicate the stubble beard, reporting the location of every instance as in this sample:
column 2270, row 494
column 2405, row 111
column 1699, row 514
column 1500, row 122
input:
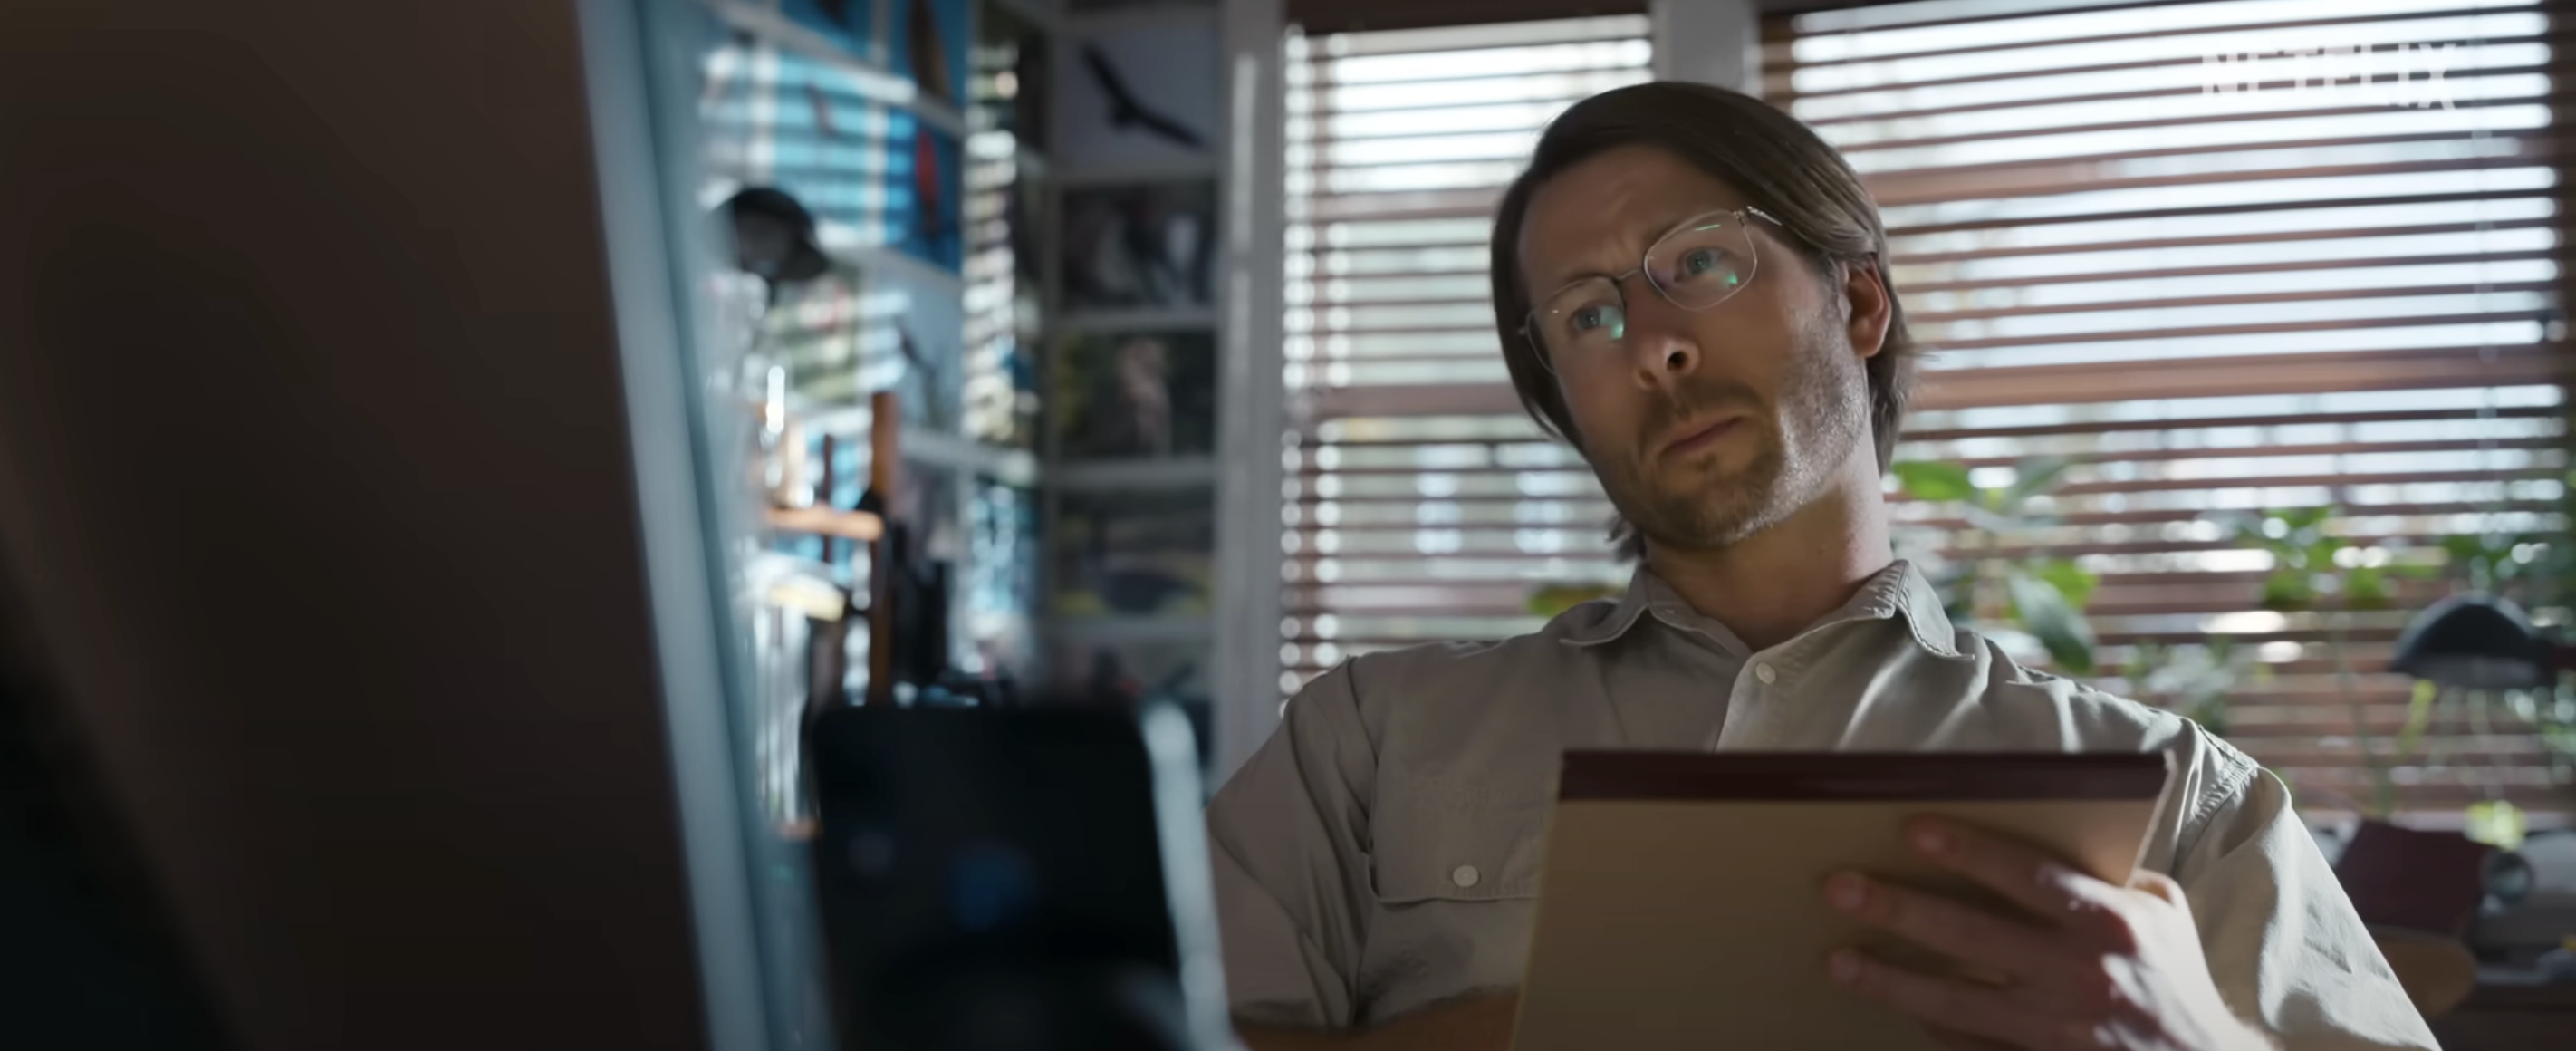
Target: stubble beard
column 1821, row 421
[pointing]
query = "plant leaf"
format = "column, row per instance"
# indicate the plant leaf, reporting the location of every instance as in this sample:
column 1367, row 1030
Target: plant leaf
column 1552, row 599
column 2464, row 546
column 2419, row 714
column 2211, row 714
column 2496, row 823
column 1980, row 517
column 2305, row 517
column 2417, row 570
column 2288, row 589
column 2243, row 528
column 2070, row 580
column 1926, row 480
column 2044, row 612
column 2032, row 477
column 2143, row 660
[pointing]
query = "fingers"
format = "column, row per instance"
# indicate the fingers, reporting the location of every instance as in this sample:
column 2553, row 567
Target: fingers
column 2053, row 891
column 1960, row 1013
column 1954, row 929
column 2161, row 886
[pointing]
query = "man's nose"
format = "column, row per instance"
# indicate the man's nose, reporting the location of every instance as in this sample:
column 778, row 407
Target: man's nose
column 1659, row 342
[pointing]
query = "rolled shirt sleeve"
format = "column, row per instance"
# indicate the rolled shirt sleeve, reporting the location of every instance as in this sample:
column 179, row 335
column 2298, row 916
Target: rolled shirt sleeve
column 1290, row 845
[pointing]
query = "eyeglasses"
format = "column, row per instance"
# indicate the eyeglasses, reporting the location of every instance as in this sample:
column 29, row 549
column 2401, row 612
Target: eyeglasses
column 1696, row 265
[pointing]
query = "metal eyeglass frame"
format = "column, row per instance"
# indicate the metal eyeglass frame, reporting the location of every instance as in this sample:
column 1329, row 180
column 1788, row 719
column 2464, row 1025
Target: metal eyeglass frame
column 1619, row 283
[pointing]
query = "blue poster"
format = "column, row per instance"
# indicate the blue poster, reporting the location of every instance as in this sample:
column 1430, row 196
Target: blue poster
column 877, row 176
column 923, row 184
column 923, row 41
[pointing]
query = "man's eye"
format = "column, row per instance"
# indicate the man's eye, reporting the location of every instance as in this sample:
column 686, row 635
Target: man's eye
column 1700, row 261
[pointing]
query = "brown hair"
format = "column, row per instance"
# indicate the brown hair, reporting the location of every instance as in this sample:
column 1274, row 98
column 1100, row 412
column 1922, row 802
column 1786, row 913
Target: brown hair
column 1781, row 167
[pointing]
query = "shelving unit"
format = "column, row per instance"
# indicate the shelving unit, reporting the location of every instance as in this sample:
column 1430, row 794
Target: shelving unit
column 1148, row 320
column 823, row 521
column 1129, row 464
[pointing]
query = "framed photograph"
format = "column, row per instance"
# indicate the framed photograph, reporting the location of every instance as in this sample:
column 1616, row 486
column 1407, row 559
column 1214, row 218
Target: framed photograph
column 1136, row 395
column 1139, row 247
column 1139, row 553
column 1140, row 94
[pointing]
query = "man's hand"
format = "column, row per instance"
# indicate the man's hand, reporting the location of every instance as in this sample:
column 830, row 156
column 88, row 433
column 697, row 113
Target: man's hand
column 2093, row 965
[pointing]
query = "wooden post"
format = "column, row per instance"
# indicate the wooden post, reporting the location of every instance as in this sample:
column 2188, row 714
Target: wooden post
column 885, row 417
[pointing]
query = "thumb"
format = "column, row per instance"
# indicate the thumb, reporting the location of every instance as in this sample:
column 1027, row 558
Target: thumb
column 2157, row 884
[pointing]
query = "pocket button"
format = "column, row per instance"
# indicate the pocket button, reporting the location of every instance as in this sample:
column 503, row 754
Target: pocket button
column 1466, row 876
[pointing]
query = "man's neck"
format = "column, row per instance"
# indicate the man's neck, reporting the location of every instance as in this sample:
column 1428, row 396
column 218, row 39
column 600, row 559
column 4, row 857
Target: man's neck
column 1776, row 583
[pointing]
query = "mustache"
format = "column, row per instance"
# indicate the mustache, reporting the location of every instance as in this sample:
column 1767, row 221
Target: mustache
column 1670, row 407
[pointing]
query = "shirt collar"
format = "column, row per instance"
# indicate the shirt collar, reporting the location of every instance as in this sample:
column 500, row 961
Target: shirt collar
column 1896, row 592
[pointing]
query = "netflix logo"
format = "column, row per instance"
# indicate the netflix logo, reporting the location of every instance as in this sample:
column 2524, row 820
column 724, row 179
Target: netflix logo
column 2409, row 75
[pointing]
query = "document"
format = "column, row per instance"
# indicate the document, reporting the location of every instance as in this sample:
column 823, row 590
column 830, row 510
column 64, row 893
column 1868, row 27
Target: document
column 1680, row 902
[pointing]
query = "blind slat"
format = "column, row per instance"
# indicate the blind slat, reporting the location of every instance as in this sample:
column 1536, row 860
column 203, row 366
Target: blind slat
column 2182, row 24
column 2193, row 63
column 2206, row 305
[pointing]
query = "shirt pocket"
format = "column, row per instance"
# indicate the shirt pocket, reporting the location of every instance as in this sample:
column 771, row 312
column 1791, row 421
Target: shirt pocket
column 1436, row 840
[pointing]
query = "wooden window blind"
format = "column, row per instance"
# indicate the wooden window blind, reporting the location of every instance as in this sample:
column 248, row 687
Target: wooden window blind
column 2228, row 285
column 1421, row 503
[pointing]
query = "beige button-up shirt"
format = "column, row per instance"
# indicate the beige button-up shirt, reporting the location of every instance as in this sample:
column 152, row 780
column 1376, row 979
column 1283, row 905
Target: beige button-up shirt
column 1380, row 853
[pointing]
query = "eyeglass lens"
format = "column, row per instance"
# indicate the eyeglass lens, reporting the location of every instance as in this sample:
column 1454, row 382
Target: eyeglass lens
column 1695, row 267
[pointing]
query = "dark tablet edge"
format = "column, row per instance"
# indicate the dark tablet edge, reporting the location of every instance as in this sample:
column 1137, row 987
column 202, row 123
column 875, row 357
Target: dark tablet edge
column 1606, row 776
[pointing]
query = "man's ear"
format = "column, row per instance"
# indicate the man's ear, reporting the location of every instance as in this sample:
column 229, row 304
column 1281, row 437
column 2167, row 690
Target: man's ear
column 1868, row 309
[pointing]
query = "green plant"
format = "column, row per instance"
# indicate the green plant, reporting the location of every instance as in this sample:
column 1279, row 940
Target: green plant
column 1548, row 600
column 2193, row 679
column 2312, row 573
column 2309, row 569
column 2001, row 573
column 2532, row 569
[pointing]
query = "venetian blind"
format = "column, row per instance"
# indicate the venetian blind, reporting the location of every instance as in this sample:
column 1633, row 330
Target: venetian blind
column 1422, row 503
column 2271, row 280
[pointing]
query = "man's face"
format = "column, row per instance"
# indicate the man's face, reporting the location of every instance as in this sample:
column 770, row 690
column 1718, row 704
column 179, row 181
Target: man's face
column 1705, row 426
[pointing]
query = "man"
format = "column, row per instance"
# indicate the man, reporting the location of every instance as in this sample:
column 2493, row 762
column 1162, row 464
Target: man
column 1692, row 290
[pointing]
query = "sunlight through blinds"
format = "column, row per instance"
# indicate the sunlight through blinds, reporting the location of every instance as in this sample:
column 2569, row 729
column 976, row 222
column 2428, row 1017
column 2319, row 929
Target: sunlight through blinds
column 1422, row 503
column 2228, row 258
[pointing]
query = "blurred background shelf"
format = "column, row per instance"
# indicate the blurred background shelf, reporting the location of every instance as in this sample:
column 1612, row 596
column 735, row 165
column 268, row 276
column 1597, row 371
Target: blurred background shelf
column 823, row 521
